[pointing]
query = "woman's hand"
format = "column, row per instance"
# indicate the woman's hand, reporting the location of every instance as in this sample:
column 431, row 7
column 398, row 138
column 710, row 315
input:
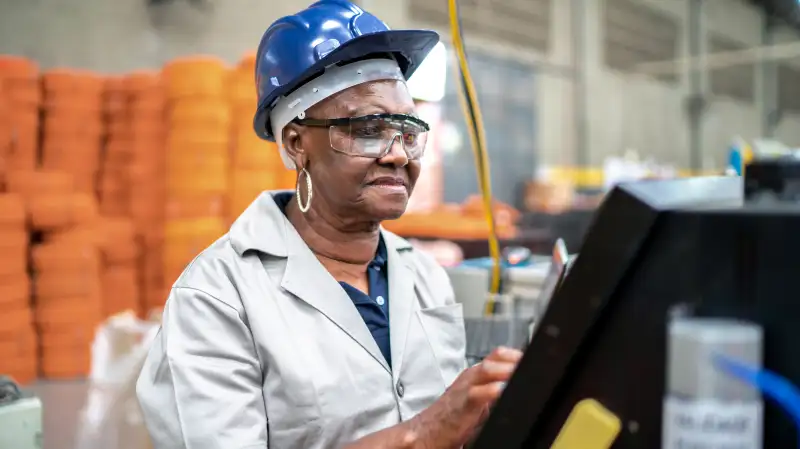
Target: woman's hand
column 452, row 420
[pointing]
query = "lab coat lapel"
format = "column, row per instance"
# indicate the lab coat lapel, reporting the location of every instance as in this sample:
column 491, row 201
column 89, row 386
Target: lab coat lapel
column 402, row 295
column 307, row 279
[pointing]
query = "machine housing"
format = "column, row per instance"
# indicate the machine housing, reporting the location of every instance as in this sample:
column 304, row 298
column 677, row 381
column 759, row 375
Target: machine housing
column 654, row 246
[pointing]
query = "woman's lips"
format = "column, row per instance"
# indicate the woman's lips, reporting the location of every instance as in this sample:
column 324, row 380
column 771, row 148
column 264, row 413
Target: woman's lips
column 390, row 183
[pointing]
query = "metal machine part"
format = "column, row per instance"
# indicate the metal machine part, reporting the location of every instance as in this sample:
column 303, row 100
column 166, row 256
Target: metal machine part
column 528, row 286
column 20, row 418
column 514, row 310
column 556, row 272
column 524, row 283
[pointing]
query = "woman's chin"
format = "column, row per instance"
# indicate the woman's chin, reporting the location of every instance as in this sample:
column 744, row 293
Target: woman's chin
column 388, row 210
column 387, row 203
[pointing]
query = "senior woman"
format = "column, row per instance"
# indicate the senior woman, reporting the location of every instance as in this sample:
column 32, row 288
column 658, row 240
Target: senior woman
column 308, row 326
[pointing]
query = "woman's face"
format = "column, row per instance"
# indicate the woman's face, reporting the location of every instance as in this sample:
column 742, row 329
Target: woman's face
column 355, row 188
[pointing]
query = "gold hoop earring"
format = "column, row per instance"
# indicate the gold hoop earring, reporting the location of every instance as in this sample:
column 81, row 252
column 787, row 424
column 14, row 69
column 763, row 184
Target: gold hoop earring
column 309, row 187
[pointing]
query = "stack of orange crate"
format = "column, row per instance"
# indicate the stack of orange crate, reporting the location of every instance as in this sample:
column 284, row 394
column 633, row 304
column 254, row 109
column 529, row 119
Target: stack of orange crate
column 6, row 133
column 17, row 334
column 23, row 97
column 73, row 125
column 114, row 183
column 120, row 257
column 197, row 159
column 147, row 175
column 255, row 164
column 119, row 243
column 66, row 270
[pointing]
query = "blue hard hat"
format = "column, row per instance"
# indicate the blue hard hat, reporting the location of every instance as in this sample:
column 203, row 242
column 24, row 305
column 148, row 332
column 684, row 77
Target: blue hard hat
column 297, row 48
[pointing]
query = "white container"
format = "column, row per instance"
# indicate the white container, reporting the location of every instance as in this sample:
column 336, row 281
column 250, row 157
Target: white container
column 703, row 406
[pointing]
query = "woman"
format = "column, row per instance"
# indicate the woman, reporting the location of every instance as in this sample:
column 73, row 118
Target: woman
column 307, row 326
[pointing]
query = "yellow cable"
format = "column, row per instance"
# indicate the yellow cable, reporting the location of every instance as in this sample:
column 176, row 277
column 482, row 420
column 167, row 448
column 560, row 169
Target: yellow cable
column 479, row 145
column 469, row 102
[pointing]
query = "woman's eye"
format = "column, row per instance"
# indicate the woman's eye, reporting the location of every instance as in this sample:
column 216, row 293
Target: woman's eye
column 409, row 138
column 370, row 131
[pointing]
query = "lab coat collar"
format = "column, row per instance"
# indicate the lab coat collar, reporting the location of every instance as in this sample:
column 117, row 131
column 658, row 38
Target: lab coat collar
column 264, row 228
column 261, row 228
column 402, row 295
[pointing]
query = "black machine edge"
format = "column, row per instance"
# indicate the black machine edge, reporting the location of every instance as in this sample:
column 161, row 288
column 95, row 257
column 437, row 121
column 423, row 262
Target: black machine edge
column 619, row 230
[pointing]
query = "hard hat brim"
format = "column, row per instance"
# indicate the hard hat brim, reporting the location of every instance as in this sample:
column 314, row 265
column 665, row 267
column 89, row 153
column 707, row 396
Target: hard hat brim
column 410, row 47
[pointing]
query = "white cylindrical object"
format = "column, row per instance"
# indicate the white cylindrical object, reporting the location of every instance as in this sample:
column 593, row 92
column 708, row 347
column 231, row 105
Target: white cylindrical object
column 704, row 407
column 430, row 79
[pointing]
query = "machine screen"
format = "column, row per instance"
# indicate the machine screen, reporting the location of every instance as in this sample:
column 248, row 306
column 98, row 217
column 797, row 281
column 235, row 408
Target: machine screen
column 559, row 264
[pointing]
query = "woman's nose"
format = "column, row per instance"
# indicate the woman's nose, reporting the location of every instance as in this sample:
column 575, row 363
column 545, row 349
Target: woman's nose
column 396, row 155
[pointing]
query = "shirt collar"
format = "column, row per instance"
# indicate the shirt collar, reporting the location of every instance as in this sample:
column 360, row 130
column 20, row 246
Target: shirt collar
column 380, row 255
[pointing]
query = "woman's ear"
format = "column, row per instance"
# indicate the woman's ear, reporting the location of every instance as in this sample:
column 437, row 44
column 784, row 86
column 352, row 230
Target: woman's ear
column 293, row 142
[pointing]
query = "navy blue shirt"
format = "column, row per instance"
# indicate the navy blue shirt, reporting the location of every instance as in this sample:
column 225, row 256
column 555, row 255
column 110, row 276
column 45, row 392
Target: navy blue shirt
column 373, row 307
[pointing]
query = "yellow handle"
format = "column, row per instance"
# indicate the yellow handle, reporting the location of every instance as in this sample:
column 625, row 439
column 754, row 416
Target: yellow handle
column 589, row 426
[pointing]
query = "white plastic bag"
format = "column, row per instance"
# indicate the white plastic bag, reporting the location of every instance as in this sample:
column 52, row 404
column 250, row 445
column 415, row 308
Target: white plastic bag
column 111, row 418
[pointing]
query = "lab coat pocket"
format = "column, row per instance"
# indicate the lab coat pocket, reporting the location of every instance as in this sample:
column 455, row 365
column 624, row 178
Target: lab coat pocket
column 444, row 329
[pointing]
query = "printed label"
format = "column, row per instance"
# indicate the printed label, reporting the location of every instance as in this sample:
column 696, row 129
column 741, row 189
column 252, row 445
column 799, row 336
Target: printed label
column 710, row 424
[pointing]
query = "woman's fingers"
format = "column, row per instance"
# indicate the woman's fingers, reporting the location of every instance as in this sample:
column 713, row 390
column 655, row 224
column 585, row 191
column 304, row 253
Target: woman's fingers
column 503, row 354
column 463, row 407
column 475, row 389
column 493, row 371
column 491, row 374
column 481, row 395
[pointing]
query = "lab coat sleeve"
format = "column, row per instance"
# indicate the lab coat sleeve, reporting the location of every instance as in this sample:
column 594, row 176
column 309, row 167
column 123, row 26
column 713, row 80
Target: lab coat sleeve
column 200, row 387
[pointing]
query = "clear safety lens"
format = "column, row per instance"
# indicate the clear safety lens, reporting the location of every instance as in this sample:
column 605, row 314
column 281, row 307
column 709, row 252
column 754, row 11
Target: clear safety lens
column 374, row 137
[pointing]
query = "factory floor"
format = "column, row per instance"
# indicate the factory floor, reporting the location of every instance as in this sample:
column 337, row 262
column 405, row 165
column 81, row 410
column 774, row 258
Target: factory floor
column 62, row 404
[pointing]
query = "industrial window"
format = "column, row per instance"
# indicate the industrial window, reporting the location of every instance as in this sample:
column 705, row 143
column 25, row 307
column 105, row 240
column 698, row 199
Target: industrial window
column 789, row 88
column 525, row 23
column 506, row 92
column 735, row 81
column 636, row 33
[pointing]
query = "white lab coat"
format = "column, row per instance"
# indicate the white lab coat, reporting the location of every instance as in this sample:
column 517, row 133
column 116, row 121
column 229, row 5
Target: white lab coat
column 261, row 347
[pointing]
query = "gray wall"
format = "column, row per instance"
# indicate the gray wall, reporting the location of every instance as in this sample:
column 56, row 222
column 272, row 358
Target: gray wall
column 624, row 111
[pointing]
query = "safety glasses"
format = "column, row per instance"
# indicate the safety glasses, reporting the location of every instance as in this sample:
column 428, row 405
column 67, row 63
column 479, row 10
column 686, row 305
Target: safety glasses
column 373, row 135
